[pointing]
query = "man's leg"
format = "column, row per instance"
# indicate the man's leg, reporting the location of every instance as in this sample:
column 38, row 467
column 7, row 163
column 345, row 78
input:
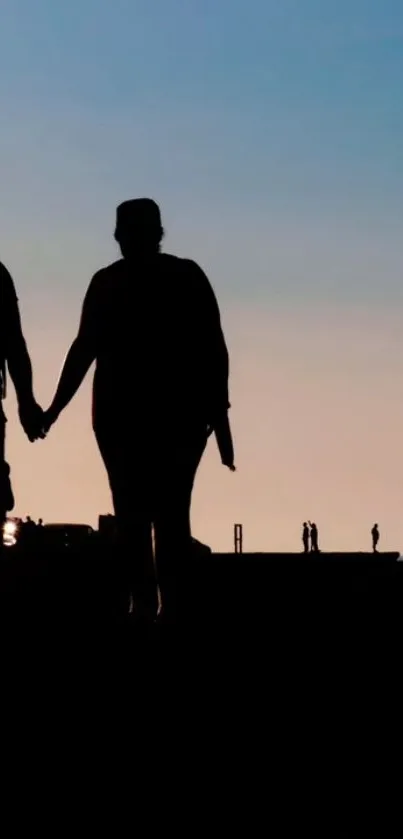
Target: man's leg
column 133, row 519
column 134, row 564
column 173, row 540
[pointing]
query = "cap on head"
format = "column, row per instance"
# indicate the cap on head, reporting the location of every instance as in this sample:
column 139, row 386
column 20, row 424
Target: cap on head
column 139, row 215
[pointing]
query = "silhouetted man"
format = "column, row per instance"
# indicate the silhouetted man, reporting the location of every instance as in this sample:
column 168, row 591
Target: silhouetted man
column 152, row 323
column 305, row 537
column 375, row 537
column 14, row 357
column 314, row 537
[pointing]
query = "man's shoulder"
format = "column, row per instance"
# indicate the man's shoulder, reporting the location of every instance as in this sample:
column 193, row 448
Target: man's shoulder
column 178, row 261
column 179, row 269
column 5, row 276
column 7, row 286
column 108, row 272
column 183, row 267
column 106, row 276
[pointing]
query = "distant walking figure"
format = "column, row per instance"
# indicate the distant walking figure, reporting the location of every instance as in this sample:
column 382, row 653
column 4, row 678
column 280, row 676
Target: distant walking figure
column 152, row 324
column 375, row 537
column 305, row 537
column 314, row 537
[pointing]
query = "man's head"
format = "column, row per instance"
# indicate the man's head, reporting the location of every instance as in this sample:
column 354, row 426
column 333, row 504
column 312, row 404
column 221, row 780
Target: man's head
column 138, row 227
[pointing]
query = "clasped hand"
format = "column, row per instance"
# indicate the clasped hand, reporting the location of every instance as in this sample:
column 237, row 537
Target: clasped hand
column 35, row 421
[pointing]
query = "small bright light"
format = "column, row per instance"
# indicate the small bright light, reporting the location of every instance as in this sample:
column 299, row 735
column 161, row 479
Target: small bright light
column 9, row 534
column 10, row 528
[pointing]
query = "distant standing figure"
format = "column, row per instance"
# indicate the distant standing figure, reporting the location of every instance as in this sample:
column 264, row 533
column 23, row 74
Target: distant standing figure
column 305, row 537
column 375, row 538
column 29, row 528
column 40, row 532
column 314, row 537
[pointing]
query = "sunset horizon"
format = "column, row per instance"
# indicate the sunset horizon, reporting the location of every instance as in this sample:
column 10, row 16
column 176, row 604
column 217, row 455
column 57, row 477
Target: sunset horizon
column 271, row 139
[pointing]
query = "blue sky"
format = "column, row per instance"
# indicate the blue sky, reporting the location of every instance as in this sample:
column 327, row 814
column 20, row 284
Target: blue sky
column 271, row 132
column 261, row 116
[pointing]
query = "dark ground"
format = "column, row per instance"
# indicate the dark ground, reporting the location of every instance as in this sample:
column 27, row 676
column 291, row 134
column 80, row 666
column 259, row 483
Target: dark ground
column 341, row 593
column 275, row 707
column 334, row 613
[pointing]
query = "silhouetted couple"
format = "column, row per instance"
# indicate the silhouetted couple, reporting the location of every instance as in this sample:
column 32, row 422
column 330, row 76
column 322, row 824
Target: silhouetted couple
column 151, row 323
column 310, row 537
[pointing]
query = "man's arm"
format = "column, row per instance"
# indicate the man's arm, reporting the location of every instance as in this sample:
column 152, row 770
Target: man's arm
column 213, row 345
column 216, row 363
column 80, row 356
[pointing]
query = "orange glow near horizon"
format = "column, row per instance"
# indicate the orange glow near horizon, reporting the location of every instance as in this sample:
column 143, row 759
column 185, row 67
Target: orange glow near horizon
column 317, row 417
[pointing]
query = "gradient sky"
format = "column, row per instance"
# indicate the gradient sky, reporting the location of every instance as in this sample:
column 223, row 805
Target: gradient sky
column 271, row 133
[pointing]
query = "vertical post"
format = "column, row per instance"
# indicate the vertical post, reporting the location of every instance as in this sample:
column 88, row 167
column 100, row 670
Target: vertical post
column 238, row 538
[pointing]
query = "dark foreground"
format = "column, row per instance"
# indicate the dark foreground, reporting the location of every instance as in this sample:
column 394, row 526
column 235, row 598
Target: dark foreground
column 337, row 599
column 330, row 623
column 276, row 705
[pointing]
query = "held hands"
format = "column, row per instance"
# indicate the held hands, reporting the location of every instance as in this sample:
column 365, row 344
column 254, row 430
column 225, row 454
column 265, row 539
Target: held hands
column 35, row 421
column 49, row 418
column 31, row 418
